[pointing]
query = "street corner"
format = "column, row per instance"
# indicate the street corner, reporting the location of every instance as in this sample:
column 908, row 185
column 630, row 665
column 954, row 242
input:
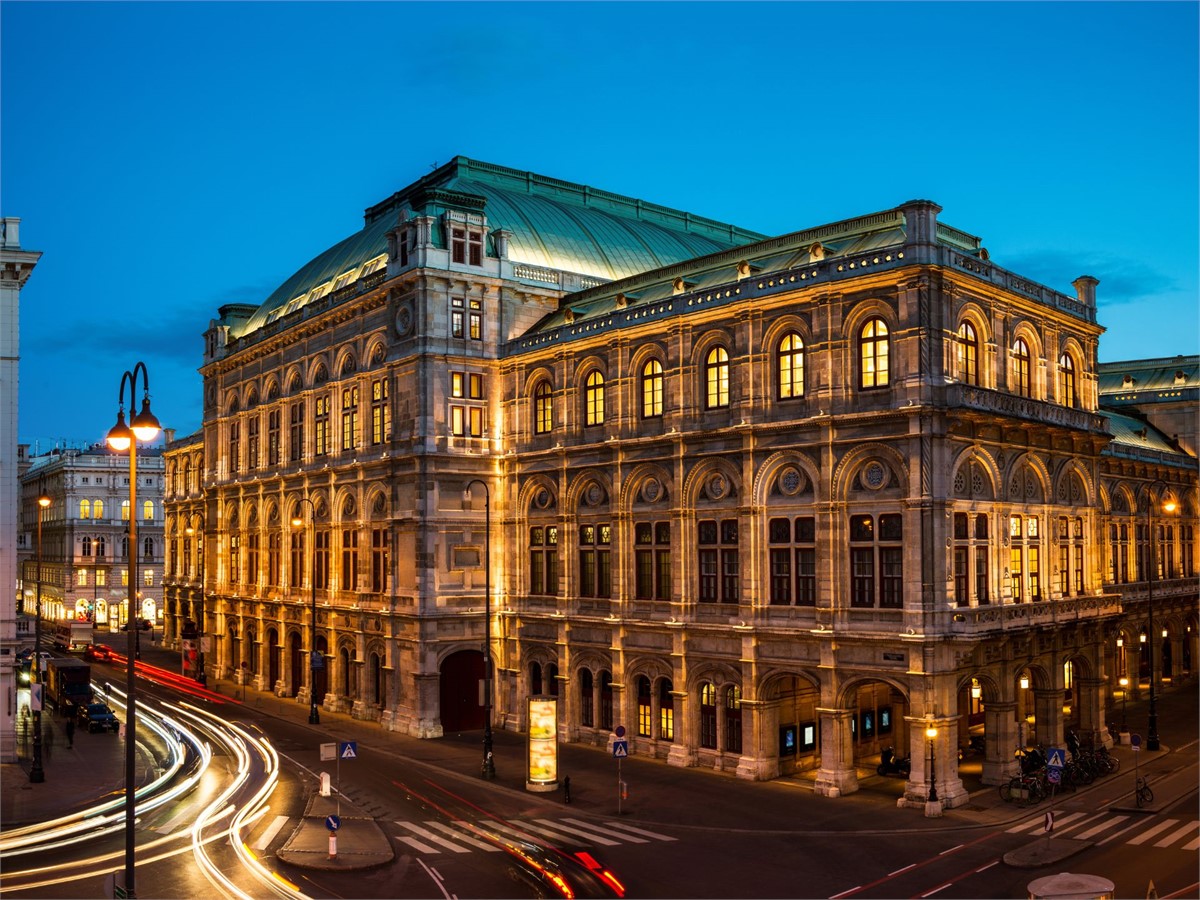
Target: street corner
column 1044, row 852
column 357, row 843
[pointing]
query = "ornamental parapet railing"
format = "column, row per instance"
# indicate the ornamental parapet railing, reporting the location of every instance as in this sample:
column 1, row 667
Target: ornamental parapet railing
column 977, row 620
column 1000, row 403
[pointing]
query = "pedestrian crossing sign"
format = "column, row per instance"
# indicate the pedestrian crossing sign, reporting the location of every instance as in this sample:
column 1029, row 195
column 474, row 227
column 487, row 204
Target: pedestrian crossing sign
column 620, row 749
column 349, row 750
column 1054, row 757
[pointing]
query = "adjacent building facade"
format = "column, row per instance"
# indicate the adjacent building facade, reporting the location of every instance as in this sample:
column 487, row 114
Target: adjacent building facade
column 772, row 503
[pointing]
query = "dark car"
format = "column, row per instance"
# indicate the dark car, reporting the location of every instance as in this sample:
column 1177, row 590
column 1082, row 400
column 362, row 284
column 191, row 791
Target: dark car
column 98, row 652
column 557, row 873
column 97, row 717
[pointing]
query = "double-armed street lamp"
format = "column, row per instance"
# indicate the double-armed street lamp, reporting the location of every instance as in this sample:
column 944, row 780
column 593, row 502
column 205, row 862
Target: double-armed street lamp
column 121, row 437
column 314, row 658
column 1168, row 506
column 37, row 774
column 489, row 766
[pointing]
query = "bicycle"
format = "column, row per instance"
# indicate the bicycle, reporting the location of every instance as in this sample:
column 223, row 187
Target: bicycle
column 1142, row 793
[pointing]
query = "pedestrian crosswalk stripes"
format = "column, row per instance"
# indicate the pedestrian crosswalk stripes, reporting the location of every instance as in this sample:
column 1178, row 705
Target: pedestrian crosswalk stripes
column 1106, row 828
column 435, row 837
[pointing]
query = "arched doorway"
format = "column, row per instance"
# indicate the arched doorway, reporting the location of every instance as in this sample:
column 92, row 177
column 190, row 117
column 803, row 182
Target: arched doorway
column 459, row 691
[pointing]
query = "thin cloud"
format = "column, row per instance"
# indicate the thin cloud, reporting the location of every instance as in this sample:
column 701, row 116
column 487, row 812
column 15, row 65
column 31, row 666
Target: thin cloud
column 1122, row 280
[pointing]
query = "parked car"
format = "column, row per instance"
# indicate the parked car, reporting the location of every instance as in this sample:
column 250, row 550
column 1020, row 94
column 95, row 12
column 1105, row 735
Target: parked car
column 97, row 717
column 98, row 652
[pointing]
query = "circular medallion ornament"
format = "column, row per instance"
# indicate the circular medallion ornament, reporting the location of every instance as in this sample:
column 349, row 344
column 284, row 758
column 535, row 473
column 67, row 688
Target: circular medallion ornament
column 594, row 494
column 790, row 481
column 404, row 321
column 874, row 475
column 651, row 490
column 718, row 486
column 542, row 499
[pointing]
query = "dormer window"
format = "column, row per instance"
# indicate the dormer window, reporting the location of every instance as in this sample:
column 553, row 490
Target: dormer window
column 466, row 246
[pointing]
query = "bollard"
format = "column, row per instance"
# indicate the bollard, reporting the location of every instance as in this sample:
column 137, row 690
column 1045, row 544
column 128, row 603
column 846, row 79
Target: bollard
column 567, row 789
column 333, row 845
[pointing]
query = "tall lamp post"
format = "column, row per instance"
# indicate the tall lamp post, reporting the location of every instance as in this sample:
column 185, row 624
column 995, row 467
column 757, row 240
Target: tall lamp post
column 489, row 765
column 1152, row 742
column 933, row 807
column 36, row 774
column 199, row 534
column 121, row 437
column 314, row 658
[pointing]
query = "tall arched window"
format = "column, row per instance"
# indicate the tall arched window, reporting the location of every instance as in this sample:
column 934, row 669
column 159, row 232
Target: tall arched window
column 543, row 409
column 98, row 509
column 708, row 716
column 873, row 355
column 652, row 389
column 86, row 549
column 791, row 367
column 968, row 354
column 1066, row 380
column 124, row 510
column 1020, row 368
column 716, row 378
column 733, row 719
column 85, row 509
column 593, row 413
column 148, row 510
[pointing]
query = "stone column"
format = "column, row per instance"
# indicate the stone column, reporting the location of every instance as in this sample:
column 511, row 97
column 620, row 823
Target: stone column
column 1047, row 710
column 837, row 774
column 1093, row 710
column 1000, row 739
column 683, row 750
column 760, row 721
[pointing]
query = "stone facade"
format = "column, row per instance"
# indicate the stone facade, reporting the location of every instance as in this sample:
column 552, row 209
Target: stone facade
column 772, row 507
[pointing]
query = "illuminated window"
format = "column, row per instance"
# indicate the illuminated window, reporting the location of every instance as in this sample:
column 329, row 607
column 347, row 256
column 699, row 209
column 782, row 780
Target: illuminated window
column 235, row 559
column 380, row 413
column 235, row 446
column 645, row 714
column 124, row 510
column 321, row 426
column 716, row 378
column 967, row 354
column 475, row 415
column 791, row 367
column 733, row 719
column 98, row 512
column 543, row 415
column 349, row 418
column 971, row 548
column 1020, row 368
column 873, row 352
column 148, row 510
column 543, row 559
column 81, row 577
column 793, row 558
column 595, row 560
column 475, row 386
column 1066, row 380
column 349, row 579
column 594, row 399
column 666, row 710
column 85, row 509
column 652, row 389
column 457, row 317
column 708, row 716
column 457, row 384
column 148, row 577
column 252, row 442
column 458, row 421
column 1024, row 559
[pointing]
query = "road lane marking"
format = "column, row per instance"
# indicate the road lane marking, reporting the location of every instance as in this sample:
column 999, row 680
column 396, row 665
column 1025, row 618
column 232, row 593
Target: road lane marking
column 1151, row 832
column 1103, row 826
column 413, row 842
column 951, row 850
column 846, row 893
column 621, row 826
column 562, row 833
column 589, row 829
column 267, row 836
column 898, row 871
column 1176, row 835
column 985, row 868
column 940, row 887
column 458, row 835
column 1039, row 823
column 430, row 836
column 1080, row 823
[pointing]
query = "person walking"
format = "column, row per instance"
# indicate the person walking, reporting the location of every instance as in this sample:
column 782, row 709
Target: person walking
column 70, row 733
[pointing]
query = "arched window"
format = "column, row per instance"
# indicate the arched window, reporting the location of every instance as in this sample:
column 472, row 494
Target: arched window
column 716, row 378
column 86, row 549
column 873, row 355
column 652, row 389
column 733, row 719
column 791, row 367
column 535, row 679
column 85, row 509
column 1066, row 380
column 124, row 510
column 645, row 720
column 543, row 409
column 708, row 716
column 593, row 413
column 98, row 509
column 148, row 510
column 101, row 546
column 587, row 716
column 666, row 710
column 148, row 548
column 968, row 354
column 1020, row 368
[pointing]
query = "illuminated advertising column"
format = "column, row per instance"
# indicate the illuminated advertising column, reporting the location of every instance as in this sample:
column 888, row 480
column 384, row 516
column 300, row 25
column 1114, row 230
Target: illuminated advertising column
column 543, row 744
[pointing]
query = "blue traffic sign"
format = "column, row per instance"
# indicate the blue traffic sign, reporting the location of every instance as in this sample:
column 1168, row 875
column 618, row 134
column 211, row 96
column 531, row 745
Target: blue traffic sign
column 348, row 750
column 620, row 749
column 333, row 823
column 1055, row 757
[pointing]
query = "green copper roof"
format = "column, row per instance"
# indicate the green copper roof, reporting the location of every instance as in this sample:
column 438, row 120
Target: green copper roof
column 552, row 224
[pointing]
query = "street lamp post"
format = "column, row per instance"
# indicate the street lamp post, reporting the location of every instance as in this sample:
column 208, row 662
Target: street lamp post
column 1152, row 742
column 314, row 658
column 932, row 806
column 142, row 427
column 489, row 765
column 37, row 775
column 1124, row 682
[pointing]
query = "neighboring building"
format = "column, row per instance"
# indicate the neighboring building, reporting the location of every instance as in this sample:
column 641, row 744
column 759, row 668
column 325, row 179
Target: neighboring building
column 85, row 539
column 771, row 503
column 16, row 265
column 1164, row 392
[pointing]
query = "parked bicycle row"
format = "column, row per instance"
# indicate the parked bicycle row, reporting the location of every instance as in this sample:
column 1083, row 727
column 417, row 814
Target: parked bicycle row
column 1083, row 766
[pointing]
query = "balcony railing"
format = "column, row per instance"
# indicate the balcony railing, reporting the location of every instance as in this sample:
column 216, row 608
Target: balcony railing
column 1020, row 616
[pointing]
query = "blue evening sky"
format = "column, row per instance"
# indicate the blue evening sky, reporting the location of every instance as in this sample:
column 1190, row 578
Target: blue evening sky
column 168, row 158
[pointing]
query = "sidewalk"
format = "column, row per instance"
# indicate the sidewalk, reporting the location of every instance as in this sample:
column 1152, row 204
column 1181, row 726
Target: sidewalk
column 658, row 794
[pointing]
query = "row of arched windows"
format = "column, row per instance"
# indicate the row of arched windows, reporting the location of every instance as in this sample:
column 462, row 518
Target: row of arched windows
column 94, row 509
column 1021, row 383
